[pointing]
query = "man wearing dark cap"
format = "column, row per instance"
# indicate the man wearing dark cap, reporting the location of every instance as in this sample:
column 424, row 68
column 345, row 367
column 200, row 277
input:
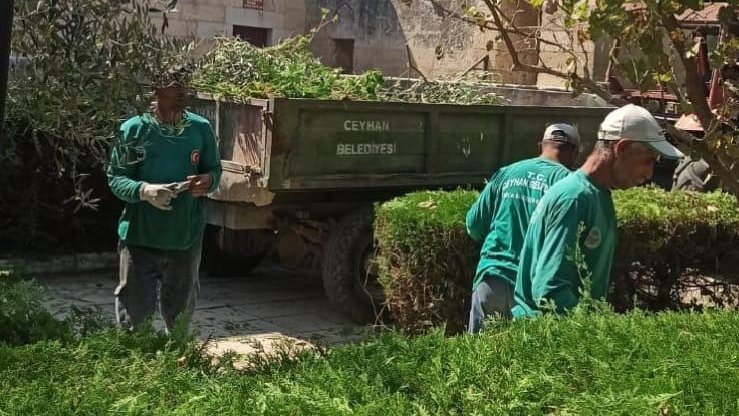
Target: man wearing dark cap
column 578, row 212
column 165, row 162
column 500, row 217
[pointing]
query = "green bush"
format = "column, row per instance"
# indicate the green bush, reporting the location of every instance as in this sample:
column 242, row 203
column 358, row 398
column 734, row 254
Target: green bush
column 604, row 364
column 666, row 243
column 23, row 318
column 88, row 67
column 425, row 258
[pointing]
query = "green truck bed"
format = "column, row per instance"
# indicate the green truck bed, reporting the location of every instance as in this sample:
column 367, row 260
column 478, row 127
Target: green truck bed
column 297, row 145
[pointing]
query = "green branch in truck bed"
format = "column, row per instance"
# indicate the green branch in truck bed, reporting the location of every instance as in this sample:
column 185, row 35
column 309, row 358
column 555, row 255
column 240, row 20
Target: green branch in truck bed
column 237, row 70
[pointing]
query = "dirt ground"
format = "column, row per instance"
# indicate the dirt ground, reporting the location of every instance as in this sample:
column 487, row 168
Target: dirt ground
column 272, row 307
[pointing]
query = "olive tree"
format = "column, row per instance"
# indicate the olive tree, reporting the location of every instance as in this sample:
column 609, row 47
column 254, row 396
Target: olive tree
column 79, row 68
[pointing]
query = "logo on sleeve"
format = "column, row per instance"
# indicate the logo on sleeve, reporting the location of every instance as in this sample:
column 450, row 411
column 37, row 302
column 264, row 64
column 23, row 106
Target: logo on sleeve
column 594, row 238
column 195, row 157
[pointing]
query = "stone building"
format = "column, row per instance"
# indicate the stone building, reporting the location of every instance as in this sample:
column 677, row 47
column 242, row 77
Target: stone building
column 399, row 37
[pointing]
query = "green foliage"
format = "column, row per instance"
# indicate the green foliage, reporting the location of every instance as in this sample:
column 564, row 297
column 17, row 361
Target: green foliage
column 23, row 318
column 425, row 258
column 586, row 363
column 88, row 65
column 668, row 242
column 645, row 30
column 238, row 70
column 652, row 47
column 668, row 239
column 457, row 92
column 603, row 364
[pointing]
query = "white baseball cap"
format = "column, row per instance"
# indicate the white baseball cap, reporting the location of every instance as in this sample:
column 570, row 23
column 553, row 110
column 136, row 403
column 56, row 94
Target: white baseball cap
column 564, row 133
column 635, row 123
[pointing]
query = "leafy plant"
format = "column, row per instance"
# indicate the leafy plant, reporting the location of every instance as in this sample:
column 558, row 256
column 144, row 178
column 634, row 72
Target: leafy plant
column 23, row 318
column 587, row 363
column 238, row 70
column 672, row 246
column 591, row 362
column 87, row 66
column 425, row 258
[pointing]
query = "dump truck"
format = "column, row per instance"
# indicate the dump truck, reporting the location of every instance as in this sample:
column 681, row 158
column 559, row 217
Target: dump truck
column 301, row 176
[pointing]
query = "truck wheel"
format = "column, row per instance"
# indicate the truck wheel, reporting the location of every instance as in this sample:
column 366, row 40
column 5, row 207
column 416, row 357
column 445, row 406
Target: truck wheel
column 349, row 278
column 232, row 253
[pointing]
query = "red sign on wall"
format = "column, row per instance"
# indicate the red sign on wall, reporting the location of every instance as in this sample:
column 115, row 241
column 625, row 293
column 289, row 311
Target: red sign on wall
column 254, row 4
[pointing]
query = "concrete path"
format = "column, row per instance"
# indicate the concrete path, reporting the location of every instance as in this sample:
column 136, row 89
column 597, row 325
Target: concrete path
column 270, row 308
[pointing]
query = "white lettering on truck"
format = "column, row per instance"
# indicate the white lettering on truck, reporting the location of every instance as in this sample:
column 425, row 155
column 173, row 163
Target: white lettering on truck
column 366, row 125
column 355, row 149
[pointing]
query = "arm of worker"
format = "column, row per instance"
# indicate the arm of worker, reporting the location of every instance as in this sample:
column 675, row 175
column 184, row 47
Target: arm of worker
column 480, row 215
column 209, row 169
column 122, row 169
column 556, row 276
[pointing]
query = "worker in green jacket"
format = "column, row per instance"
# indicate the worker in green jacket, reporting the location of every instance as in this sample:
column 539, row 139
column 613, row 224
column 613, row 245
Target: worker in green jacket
column 162, row 167
column 578, row 211
column 500, row 216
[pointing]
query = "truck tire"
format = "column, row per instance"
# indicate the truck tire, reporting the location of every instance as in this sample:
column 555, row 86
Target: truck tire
column 231, row 253
column 346, row 267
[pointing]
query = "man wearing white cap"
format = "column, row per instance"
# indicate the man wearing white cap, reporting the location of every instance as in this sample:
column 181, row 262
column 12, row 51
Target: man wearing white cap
column 578, row 210
column 500, row 216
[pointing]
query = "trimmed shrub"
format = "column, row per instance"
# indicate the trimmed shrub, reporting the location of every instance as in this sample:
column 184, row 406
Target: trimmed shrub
column 426, row 259
column 668, row 243
column 675, row 249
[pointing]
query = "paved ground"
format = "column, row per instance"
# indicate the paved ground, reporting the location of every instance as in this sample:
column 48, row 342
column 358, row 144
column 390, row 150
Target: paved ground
column 271, row 307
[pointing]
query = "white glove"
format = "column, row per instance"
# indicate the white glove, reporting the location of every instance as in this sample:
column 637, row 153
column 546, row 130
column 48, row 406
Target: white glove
column 157, row 195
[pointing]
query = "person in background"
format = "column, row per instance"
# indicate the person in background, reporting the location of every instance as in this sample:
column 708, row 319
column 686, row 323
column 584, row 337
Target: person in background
column 500, row 216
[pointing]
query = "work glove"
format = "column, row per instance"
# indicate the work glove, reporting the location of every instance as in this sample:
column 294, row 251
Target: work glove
column 160, row 196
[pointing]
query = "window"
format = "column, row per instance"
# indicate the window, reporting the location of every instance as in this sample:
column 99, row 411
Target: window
column 344, row 55
column 257, row 36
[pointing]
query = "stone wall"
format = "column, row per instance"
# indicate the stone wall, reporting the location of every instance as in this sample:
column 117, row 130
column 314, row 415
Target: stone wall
column 390, row 35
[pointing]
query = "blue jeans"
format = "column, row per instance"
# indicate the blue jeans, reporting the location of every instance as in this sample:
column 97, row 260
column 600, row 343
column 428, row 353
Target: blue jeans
column 494, row 296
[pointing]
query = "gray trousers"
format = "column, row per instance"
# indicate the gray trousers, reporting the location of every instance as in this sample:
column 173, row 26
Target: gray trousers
column 144, row 270
column 494, row 296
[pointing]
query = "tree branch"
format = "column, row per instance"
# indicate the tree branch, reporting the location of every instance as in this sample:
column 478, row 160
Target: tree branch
column 613, row 57
column 519, row 66
column 511, row 27
column 696, row 94
column 488, row 26
column 693, row 82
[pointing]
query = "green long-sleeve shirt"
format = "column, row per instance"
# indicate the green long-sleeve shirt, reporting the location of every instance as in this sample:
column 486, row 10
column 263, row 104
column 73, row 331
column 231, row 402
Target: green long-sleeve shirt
column 500, row 216
column 547, row 270
column 150, row 152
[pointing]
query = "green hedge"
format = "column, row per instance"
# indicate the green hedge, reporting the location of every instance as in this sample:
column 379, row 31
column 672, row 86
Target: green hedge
column 426, row 258
column 604, row 364
column 667, row 242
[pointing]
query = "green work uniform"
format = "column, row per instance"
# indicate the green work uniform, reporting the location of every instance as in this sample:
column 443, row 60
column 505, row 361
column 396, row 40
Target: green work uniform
column 574, row 211
column 157, row 154
column 500, row 216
